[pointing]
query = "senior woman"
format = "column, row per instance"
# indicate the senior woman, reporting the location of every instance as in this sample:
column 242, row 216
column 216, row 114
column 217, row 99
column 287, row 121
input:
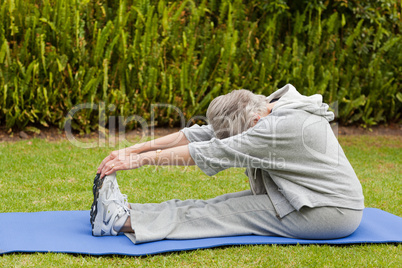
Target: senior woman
column 302, row 184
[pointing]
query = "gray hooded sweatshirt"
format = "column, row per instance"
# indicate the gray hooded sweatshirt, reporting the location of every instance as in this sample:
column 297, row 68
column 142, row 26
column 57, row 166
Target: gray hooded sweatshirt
column 292, row 155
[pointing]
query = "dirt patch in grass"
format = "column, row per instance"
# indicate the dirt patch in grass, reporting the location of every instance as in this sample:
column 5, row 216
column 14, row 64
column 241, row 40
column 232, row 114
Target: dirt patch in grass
column 390, row 130
column 55, row 134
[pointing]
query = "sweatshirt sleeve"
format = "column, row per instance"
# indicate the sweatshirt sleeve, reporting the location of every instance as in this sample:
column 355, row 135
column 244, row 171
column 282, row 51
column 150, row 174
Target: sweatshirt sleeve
column 251, row 148
column 198, row 133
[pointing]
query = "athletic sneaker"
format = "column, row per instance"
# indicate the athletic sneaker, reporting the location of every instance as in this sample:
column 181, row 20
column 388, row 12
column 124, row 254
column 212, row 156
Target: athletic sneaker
column 109, row 210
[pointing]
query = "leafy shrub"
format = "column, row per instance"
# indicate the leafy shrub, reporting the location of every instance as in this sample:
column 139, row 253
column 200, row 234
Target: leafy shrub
column 130, row 54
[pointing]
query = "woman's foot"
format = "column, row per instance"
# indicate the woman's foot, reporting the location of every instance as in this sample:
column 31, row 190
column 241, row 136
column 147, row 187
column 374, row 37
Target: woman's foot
column 109, row 211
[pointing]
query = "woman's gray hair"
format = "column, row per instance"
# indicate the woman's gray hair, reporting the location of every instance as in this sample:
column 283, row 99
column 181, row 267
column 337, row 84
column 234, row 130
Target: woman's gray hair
column 235, row 112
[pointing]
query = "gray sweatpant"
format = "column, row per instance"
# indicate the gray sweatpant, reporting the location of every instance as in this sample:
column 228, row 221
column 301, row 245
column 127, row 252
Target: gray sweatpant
column 233, row 214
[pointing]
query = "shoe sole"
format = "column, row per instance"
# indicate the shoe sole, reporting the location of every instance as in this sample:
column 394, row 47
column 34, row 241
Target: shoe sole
column 98, row 183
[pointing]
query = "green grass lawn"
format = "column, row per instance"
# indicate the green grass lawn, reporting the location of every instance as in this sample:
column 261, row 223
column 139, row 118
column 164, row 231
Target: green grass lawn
column 38, row 175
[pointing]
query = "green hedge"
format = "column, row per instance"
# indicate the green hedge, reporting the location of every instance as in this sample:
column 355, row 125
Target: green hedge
column 57, row 54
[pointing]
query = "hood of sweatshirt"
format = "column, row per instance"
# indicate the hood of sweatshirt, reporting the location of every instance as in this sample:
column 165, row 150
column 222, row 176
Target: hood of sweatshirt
column 290, row 98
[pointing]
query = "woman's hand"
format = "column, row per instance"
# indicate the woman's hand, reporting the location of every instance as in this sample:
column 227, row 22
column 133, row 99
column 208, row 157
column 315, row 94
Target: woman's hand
column 122, row 159
column 135, row 156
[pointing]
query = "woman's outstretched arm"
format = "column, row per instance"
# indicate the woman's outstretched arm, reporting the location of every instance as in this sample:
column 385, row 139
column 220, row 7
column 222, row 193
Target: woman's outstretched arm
column 175, row 156
column 174, row 140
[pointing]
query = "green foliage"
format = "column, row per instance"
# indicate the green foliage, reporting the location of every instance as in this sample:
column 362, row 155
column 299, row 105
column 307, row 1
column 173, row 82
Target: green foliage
column 131, row 54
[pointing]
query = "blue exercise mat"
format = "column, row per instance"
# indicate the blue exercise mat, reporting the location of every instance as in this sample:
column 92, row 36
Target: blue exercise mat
column 70, row 232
